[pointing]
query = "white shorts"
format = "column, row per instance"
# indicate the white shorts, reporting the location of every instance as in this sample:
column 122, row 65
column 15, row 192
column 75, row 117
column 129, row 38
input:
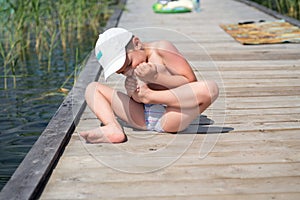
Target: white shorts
column 153, row 114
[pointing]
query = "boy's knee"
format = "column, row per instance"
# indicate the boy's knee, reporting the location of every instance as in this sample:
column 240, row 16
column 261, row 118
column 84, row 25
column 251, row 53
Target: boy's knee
column 208, row 91
column 213, row 90
column 91, row 88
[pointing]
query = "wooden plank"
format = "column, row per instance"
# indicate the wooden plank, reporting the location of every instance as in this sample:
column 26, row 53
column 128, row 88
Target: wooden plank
column 276, row 118
column 275, row 74
column 263, row 102
column 226, row 44
column 84, row 160
column 267, row 135
column 258, row 104
column 192, row 187
column 290, row 196
column 240, row 55
column 183, row 172
column 263, row 92
column 152, row 157
column 245, row 67
column 277, row 111
column 255, row 83
column 225, row 67
column 228, row 149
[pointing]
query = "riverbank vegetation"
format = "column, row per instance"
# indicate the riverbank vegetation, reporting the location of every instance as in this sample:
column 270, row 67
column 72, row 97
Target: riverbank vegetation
column 43, row 44
column 290, row 8
column 40, row 30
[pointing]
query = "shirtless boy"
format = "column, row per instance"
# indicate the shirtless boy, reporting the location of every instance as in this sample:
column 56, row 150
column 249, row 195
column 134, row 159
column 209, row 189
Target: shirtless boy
column 163, row 93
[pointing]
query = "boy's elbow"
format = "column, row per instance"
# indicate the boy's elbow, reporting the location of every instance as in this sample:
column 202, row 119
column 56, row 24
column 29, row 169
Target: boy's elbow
column 191, row 79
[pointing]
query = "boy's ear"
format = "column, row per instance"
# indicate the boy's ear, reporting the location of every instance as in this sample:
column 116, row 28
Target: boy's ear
column 137, row 43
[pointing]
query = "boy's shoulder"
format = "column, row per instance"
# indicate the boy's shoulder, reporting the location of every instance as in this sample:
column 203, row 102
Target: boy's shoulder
column 161, row 43
column 164, row 45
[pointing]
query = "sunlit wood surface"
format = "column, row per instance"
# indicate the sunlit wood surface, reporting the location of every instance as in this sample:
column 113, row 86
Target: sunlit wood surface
column 250, row 150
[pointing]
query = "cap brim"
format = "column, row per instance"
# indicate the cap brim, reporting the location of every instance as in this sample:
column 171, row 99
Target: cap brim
column 115, row 65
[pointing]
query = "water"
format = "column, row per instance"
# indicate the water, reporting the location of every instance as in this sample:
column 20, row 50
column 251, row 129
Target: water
column 26, row 110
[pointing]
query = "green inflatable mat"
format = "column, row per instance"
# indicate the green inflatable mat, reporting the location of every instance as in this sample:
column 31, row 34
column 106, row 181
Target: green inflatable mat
column 161, row 8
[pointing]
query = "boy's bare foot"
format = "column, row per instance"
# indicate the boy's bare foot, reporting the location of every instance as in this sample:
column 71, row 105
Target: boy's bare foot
column 108, row 134
column 143, row 92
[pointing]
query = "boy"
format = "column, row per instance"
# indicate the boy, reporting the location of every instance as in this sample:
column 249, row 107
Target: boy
column 163, row 93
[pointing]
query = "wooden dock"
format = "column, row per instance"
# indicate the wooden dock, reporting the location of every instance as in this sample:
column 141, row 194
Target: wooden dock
column 246, row 146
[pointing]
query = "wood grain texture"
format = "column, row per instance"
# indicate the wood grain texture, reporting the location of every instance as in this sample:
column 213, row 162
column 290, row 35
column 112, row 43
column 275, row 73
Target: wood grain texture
column 245, row 146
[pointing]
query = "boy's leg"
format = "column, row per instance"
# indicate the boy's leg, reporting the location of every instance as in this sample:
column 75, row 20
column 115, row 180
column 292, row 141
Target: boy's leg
column 190, row 101
column 189, row 95
column 175, row 120
column 105, row 102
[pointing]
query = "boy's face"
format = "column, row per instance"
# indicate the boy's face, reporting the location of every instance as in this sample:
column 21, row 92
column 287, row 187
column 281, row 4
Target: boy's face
column 133, row 59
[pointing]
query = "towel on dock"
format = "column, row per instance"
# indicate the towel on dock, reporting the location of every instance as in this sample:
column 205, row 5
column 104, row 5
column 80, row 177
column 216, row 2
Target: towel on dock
column 263, row 32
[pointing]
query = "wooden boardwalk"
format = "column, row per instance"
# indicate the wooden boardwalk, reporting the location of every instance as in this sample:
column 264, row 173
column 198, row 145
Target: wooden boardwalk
column 250, row 150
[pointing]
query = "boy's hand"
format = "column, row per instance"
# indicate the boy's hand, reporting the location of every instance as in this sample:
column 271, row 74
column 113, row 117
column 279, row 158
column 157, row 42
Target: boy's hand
column 142, row 94
column 131, row 85
column 146, row 72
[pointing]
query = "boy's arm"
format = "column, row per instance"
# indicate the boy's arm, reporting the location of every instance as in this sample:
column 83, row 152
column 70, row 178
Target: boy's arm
column 159, row 75
column 173, row 71
column 174, row 62
column 169, row 80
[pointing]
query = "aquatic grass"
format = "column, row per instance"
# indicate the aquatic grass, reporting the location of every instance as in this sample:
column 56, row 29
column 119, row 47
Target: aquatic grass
column 9, row 60
column 43, row 27
column 290, row 8
column 74, row 74
column 53, row 34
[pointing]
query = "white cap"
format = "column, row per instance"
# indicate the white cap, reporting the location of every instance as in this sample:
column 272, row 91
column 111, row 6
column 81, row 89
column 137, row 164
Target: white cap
column 110, row 49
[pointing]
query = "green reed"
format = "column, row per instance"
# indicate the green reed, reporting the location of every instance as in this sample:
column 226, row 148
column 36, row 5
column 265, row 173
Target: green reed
column 290, row 8
column 42, row 26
